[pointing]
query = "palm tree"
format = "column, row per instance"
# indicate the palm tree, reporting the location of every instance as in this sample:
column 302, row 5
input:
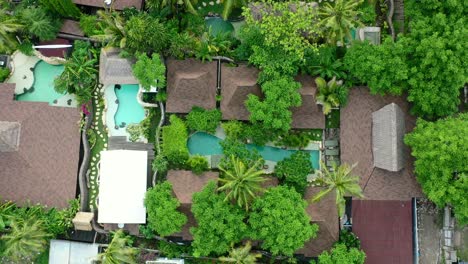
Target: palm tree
column 228, row 5
column 8, row 26
column 154, row 5
column 114, row 29
column 339, row 18
column 242, row 184
column 25, row 240
column 328, row 94
column 241, row 255
column 118, row 251
column 339, row 180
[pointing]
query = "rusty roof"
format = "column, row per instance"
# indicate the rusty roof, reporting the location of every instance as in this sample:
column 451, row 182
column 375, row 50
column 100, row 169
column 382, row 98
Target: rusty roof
column 356, row 147
column 185, row 183
column 59, row 52
column 325, row 215
column 309, row 114
column 236, row 84
column 44, row 168
column 190, row 83
column 385, row 229
column 116, row 4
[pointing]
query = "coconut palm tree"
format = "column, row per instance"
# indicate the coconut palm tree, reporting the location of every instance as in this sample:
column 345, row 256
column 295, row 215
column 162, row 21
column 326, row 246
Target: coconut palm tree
column 241, row 255
column 118, row 251
column 114, row 29
column 328, row 94
column 25, row 239
column 339, row 180
column 242, row 184
column 338, row 18
column 228, row 5
column 8, row 26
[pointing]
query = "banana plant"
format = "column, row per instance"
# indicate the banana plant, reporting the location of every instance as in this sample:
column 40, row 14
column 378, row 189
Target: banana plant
column 327, row 94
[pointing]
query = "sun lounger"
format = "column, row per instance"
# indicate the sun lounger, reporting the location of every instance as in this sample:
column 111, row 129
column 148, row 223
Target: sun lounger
column 331, row 143
column 332, row 152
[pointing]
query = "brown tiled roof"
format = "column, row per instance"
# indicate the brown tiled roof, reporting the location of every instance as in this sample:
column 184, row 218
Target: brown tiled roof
column 385, row 230
column 114, row 69
column 309, row 114
column 61, row 52
column 325, row 215
column 71, row 27
column 186, row 183
column 117, row 4
column 44, row 168
column 190, row 83
column 236, row 84
column 356, row 147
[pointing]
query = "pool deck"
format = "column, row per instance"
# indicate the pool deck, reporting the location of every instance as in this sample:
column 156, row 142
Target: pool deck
column 23, row 77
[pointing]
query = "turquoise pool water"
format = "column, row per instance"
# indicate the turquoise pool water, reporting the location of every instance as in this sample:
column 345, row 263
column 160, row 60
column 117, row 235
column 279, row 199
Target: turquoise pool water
column 44, row 75
column 205, row 144
column 129, row 110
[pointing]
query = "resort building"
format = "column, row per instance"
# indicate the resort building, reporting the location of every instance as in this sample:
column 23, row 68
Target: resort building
column 39, row 151
column 371, row 135
column 185, row 184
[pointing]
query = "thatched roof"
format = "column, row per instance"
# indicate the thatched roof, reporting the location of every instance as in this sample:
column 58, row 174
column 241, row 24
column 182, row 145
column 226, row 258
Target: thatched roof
column 115, row 70
column 44, row 167
column 236, row 84
column 117, row 4
column 190, row 83
column 309, row 114
column 9, row 136
column 356, row 147
column 325, row 215
column 71, row 27
column 388, row 130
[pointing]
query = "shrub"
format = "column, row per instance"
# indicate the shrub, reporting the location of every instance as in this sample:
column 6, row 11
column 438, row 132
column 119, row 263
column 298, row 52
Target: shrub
column 295, row 139
column 234, row 130
column 151, row 72
column 135, row 131
column 200, row 119
column 159, row 164
column 4, row 73
column 65, row 8
column 146, row 34
column 340, row 254
column 26, row 48
column 198, row 164
column 293, row 171
column 237, row 149
column 349, row 239
column 90, row 25
column 174, row 145
column 163, row 217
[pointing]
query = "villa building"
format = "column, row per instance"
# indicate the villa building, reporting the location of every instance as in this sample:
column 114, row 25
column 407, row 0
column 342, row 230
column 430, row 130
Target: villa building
column 39, row 151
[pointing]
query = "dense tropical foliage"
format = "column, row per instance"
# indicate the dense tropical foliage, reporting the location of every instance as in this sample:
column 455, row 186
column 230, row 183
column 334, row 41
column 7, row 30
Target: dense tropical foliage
column 119, row 251
column 441, row 152
column 293, row 171
column 200, row 119
column 174, row 146
column 150, row 72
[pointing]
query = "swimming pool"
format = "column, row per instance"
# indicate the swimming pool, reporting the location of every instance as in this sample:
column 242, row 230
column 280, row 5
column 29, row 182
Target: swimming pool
column 129, row 111
column 43, row 86
column 205, row 144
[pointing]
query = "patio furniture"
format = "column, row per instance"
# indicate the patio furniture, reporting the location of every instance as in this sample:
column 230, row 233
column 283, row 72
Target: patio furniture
column 331, row 143
column 332, row 152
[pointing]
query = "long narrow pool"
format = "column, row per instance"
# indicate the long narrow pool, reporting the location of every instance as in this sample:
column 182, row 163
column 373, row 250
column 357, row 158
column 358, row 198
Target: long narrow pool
column 205, row 144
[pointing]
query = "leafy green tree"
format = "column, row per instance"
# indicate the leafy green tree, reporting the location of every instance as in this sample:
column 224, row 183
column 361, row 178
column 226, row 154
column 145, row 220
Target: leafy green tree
column 198, row 164
column 159, row 163
column 340, row 254
column 325, row 63
column 239, row 150
column 25, row 240
column 161, row 206
column 441, row 152
column 293, row 171
column 273, row 113
column 382, row 67
column 174, row 138
column 114, row 33
column 338, row 180
column 329, row 94
column 8, row 27
column 338, row 18
column 150, row 72
column 119, row 250
column 90, row 25
column 241, row 255
column 174, row 5
column 291, row 29
column 39, row 23
column 280, row 220
column 219, row 223
column 200, row 119
column 80, row 74
column 4, row 73
column 233, row 129
column 241, row 183
column 64, row 8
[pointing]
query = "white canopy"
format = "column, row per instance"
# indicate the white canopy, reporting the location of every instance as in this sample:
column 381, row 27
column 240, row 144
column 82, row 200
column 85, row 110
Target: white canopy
column 70, row 252
column 122, row 187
